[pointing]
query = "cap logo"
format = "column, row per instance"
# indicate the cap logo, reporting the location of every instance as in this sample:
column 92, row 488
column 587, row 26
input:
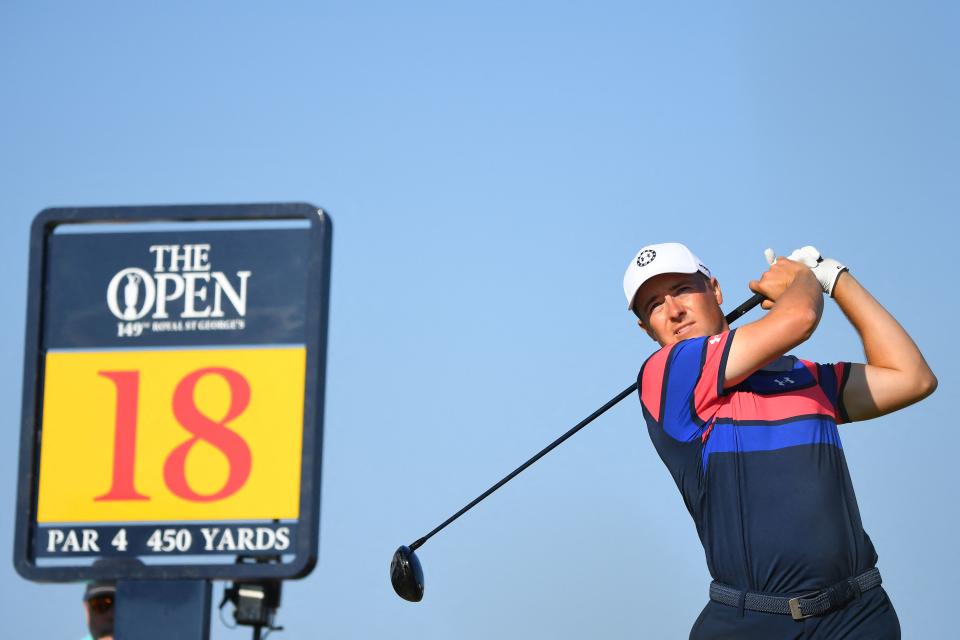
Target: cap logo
column 646, row 257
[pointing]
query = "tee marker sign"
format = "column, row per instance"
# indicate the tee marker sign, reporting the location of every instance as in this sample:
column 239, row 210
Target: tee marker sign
column 173, row 392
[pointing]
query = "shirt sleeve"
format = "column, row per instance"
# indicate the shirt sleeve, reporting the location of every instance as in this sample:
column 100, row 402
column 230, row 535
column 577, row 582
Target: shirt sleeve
column 832, row 379
column 681, row 386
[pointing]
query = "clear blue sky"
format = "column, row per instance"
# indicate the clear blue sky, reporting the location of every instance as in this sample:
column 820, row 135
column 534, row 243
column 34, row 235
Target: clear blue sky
column 490, row 168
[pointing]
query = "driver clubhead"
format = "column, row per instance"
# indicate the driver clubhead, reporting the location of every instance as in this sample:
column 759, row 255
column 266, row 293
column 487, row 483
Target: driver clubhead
column 406, row 574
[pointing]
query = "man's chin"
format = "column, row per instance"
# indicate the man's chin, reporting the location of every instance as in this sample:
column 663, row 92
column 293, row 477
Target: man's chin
column 689, row 334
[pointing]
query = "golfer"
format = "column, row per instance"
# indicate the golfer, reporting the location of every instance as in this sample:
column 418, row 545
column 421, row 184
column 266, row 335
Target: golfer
column 750, row 436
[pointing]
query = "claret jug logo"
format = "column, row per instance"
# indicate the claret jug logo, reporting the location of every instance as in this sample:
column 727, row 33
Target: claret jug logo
column 182, row 294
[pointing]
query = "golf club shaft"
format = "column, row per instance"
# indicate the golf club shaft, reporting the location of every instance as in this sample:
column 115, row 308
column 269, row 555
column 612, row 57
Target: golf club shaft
column 730, row 317
column 620, row 396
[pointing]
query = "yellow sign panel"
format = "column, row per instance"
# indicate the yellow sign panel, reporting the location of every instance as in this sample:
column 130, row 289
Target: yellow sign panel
column 172, row 435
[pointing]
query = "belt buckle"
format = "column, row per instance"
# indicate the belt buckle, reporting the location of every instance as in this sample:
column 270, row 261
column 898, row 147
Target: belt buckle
column 794, row 603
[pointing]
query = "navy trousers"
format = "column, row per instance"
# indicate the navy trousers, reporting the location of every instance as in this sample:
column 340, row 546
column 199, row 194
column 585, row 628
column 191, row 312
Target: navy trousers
column 869, row 617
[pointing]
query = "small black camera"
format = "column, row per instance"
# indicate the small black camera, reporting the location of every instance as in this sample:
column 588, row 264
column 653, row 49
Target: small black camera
column 255, row 602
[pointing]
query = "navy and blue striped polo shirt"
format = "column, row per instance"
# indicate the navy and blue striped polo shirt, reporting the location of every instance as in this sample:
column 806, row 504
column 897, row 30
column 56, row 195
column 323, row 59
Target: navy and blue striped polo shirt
column 760, row 465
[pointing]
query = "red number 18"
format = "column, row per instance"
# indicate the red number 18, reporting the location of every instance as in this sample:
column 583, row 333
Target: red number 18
column 230, row 444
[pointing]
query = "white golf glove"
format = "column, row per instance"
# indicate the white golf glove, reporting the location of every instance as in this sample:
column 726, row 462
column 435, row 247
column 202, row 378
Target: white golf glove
column 827, row 270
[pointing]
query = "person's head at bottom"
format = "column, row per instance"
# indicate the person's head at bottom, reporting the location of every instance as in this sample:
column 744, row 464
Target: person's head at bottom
column 673, row 294
column 98, row 602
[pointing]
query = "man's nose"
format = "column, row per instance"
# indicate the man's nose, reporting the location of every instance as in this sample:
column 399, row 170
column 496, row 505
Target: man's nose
column 673, row 307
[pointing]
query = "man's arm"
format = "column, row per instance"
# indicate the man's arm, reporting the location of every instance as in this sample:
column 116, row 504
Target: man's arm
column 795, row 300
column 896, row 374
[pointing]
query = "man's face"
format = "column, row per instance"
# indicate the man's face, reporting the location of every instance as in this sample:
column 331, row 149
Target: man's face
column 677, row 306
column 100, row 616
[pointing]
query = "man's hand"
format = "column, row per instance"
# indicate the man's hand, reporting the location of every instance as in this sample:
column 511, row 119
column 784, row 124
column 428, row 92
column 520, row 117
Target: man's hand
column 827, row 270
column 796, row 302
column 780, row 275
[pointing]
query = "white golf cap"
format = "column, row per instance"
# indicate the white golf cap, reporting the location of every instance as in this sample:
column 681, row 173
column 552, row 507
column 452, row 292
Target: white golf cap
column 654, row 259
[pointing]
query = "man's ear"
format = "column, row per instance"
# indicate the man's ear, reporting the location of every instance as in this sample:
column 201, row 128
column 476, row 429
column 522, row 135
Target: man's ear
column 715, row 289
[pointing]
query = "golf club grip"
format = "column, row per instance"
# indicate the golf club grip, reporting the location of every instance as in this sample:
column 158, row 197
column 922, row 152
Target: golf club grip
column 734, row 315
column 730, row 317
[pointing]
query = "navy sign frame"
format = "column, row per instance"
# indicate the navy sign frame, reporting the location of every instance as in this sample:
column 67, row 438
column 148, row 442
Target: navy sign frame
column 58, row 321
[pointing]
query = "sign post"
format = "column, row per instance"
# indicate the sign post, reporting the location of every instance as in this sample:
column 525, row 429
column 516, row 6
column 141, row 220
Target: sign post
column 163, row 609
column 173, row 393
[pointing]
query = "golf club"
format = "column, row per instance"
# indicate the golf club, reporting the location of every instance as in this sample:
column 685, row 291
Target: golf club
column 406, row 574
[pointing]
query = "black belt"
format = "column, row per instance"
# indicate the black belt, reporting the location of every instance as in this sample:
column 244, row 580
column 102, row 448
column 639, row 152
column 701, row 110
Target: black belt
column 815, row 603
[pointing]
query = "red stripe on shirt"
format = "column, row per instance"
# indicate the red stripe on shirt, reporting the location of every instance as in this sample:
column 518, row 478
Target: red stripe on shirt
column 651, row 386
